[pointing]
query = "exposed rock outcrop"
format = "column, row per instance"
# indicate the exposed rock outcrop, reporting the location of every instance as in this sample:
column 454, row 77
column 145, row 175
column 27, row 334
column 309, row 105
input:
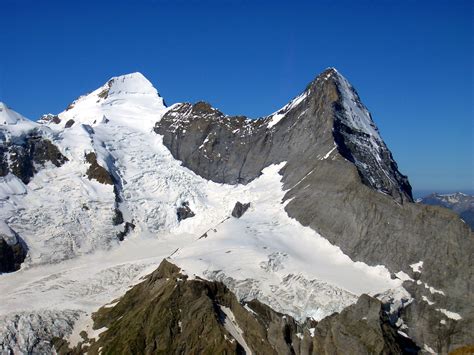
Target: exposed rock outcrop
column 128, row 227
column 168, row 313
column 24, row 155
column 96, row 171
column 49, row 118
column 13, row 249
column 240, row 209
column 360, row 329
column 69, row 123
column 11, row 256
column 184, row 211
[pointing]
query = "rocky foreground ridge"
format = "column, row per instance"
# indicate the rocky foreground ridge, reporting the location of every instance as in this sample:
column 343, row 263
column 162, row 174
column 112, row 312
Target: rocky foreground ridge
column 170, row 313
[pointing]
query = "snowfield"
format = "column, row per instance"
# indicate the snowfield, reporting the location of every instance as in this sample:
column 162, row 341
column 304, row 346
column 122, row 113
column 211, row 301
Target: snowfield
column 76, row 263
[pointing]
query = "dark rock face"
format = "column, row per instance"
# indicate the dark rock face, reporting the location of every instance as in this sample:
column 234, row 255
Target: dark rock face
column 69, row 123
column 169, row 314
column 118, row 217
column 359, row 141
column 49, row 118
column 105, row 93
column 184, row 212
column 360, row 328
column 341, row 181
column 97, row 171
column 240, row 209
column 24, row 155
column 210, row 143
column 445, row 333
column 129, row 226
column 13, row 252
column 11, row 256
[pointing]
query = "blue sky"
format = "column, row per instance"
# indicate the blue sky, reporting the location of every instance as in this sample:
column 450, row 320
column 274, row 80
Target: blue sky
column 411, row 62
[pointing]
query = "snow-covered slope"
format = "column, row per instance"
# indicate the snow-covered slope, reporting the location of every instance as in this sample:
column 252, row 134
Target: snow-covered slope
column 69, row 222
column 12, row 121
column 10, row 117
column 130, row 99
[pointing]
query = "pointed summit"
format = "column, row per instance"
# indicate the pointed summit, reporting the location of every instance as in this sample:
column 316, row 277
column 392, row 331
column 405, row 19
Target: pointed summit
column 133, row 83
column 355, row 136
column 326, row 122
column 129, row 87
column 12, row 123
column 8, row 116
column 129, row 98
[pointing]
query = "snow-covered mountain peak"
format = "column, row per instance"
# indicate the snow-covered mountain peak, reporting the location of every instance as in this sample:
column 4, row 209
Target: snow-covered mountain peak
column 12, row 123
column 329, row 72
column 129, row 99
column 8, row 116
column 133, row 83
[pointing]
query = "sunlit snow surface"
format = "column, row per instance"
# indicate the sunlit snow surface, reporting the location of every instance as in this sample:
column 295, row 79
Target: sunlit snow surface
column 76, row 265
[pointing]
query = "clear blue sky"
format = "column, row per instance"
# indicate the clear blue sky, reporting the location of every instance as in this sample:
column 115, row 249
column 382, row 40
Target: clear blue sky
column 411, row 61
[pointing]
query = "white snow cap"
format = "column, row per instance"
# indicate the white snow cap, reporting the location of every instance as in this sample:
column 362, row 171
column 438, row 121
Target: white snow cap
column 133, row 83
column 8, row 116
column 130, row 99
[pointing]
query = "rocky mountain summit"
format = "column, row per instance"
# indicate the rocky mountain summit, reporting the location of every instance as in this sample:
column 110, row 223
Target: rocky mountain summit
column 292, row 233
column 236, row 149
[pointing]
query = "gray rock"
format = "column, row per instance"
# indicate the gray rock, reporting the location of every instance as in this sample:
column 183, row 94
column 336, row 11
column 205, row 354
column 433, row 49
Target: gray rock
column 240, row 209
column 360, row 329
column 343, row 182
column 49, row 118
column 184, row 212
column 69, row 123
column 24, row 155
column 233, row 150
column 97, row 171
column 11, row 255
column 13, row 249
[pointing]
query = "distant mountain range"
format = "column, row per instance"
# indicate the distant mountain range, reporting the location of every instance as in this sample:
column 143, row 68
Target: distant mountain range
column 461, row 203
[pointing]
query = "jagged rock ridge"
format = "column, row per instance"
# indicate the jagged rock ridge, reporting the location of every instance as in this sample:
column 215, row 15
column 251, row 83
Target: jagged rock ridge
column 169, row 313
column 236, row 149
